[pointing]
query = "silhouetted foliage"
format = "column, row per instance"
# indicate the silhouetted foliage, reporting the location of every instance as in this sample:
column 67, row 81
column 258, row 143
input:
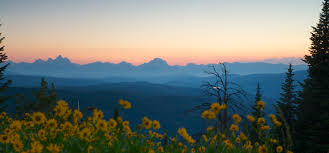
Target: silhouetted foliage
column 257, row 113
column 44, row 100
column 4, row 84
column 225, row 91
column 313, row 109
column 286, row 110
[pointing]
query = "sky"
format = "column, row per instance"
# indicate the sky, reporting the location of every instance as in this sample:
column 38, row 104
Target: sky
column 136, row 31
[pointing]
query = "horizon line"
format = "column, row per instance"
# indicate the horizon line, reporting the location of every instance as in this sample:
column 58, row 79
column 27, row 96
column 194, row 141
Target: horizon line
column 124, row 61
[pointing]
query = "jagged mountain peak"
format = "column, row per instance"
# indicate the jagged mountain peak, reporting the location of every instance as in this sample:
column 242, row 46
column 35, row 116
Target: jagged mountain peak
column 158, row 61
column 58, row 60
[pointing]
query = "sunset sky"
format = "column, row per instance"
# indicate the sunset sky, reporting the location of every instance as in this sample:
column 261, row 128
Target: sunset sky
column 136, row 31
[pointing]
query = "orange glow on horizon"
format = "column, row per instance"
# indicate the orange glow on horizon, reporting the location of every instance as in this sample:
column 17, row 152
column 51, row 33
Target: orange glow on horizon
column 137, row 56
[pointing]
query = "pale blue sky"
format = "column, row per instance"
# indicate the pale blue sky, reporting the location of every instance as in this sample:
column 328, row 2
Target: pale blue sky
column 252, row 29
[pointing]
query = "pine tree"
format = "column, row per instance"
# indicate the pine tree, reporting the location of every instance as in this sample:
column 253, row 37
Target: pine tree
column 287, row 102
column 313, row 110
column 4, row 84
column 44, row 100
column 257, row 113
column 286, row 109
column 41, row 96
column 22, row 106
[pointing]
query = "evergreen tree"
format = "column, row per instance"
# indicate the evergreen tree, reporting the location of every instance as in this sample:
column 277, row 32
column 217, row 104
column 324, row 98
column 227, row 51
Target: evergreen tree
column 44, row 100
column 41, row 96
column 286, row 109
column 313, row 110
column 22, row 106
column 287, row 102
column 257, row 113
column 4, row 84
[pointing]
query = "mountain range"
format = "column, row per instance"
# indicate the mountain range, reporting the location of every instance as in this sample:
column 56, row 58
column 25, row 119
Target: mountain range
column 63, row 67
column 155, row 88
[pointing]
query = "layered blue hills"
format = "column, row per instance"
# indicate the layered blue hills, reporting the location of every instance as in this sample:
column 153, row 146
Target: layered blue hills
column 155, row 88
column 63, row 67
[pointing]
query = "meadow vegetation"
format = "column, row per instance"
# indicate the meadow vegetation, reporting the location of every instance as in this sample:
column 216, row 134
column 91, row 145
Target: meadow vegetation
column 66, row 130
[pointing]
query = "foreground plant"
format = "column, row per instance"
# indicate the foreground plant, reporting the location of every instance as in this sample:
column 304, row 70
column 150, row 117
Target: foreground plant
column 67, row 130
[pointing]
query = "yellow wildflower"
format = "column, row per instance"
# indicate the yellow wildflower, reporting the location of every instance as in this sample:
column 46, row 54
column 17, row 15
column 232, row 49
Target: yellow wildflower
column 251, row 118
column 208, row 115
column 279, row 149
column 156, row 124
column 38, row 118
column 52, row 124
column 77, row 115
column 29, row 124
column 173, row 139
column 262, row 149
column 265, row 128
column 7, row 131
column 261, row 121
column 16, row 125
column 62, row 103
column 53, row 148
column 237, row 140
column 277, row 123
column 85, row 134
column 125, row 123
column 234, row 128
column 4, row 139
column 215, row 107
column 90, row 148
column 66, row 126
column 147, row 123
column 101, row 125
column 36, row 147
column 272, row 117
column 125, row 104
column 260, row 105
column 42, row 134
column 18, row 146
column 112, row 123
column 236, row 118
column 160, row 149
column 224, row 106
column 97, row 115
column 242, row 136
column 228, row 144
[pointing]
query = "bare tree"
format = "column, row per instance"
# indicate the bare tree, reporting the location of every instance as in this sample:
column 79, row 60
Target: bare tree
column 225, row 91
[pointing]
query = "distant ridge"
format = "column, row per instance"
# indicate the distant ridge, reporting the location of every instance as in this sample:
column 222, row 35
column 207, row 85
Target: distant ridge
column 286, row 60
column 63, row 67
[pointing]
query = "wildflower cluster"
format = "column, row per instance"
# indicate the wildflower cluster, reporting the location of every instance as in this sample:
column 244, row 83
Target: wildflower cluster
column 237, row 140
column 67, row 130
column 215, row 108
